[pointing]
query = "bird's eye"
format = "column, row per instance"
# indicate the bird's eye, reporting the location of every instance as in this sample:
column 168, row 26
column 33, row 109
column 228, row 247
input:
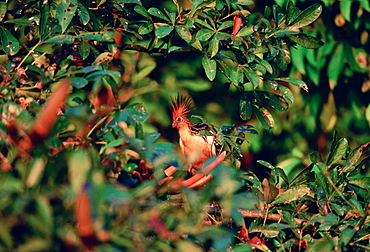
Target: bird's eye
column 179, row 119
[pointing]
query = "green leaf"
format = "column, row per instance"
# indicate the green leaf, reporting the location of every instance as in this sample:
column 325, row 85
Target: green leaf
column 292, row 194
column 106, row 36
column 264, row 117
column 286, row 93
column 353, row 158
column 163, row 30
column 365, row 5
column 345, row 9
column 10, row 43
column 336, row 64
column 225, row 25
column 65, row 12
column 246, row 31
column 338, row 154
column 130, row 167
column 83, row 13
column 79, row 165
column 3, row 9
column 213, row 47
column 44, row 16
column 266, row 164
column 265, row 64
column 36, row 172
column 245, row 107
column 114, row 143
column 142, row 11
column 195, row 4
column 203, row 23
column 307, row 16
column 361, row 182
column 278, row 102
column 84, row 49
column 252, row 76
column 321, row 245
column 204, row 34
column 315, row 157
column 145, row 28
column 294, row 81
column 184, row 33
column 281, row 173
column 61, row 39
column 236, row 75
column 346, row 236
column 137, row 112
column 243, row 2
column 78, row 82
column 306, row 41
column 210, row 67
column 197, row 45
column 292, row 12
column 157, row 13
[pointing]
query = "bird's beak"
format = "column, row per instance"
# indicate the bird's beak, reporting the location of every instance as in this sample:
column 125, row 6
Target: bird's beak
column 174, row 124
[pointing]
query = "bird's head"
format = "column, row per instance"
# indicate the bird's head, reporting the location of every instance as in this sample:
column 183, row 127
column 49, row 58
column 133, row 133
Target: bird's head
column 180, row 108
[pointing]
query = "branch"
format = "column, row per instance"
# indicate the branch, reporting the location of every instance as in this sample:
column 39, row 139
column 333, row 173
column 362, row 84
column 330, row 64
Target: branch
column 145, row 49
column 261, row 214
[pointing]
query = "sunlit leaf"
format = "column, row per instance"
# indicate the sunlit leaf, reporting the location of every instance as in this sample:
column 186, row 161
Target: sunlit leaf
column 61, row 39
column 106, row 36
column 245, row 108
column 306, row 41
column 146, row 28
column 195, row 4
column 264, row 117
column 246, row 128
column 213, row 47
column 142, row 11
column 336, row 63
column 337, row 155
column 252, row 76
column 83, row 13
column 307, row 16
column 294, row 81
column 204, row 34
column 79, row 165
column 243, row 2
column 84, row 49
column 322, row 244
column 184, row 33
column 78, row 82
column 163, row 30
column 3, row 9
column 292, row 194
column 65, row 12
column 157, row 13
column 210, row 67
column 9, row 42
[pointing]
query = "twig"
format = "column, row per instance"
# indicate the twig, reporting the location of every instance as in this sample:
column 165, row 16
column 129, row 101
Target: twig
column 145, row 49
column 262, row 214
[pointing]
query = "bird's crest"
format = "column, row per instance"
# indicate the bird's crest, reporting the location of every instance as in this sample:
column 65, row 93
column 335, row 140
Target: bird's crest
column 181, row 106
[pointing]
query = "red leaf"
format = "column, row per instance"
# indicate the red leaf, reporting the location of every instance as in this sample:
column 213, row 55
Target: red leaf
column 237, row 24
column 244, row 234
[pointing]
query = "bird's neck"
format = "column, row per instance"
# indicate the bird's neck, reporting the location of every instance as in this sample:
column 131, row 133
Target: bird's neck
column 184, row 130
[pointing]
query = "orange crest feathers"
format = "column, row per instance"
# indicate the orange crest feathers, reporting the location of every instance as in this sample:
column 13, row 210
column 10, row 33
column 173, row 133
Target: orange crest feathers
column 181, row 106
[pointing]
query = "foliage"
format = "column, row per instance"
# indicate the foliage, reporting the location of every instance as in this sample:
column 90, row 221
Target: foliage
column 79, row 172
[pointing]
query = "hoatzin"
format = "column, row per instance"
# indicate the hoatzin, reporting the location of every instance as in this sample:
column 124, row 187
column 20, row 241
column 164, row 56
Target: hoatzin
column 195, row 147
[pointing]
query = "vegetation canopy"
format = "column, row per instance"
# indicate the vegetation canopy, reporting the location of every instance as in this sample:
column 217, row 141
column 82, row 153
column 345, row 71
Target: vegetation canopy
column 83, row 168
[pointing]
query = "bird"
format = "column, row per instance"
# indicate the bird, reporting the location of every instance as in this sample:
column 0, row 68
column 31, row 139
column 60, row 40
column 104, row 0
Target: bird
column 195, row 147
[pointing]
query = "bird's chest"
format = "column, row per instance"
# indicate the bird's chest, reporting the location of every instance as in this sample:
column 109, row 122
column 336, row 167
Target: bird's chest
column 190, row 143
